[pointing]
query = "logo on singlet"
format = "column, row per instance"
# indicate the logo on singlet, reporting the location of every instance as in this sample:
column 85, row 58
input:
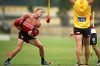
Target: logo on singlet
column 81, row 19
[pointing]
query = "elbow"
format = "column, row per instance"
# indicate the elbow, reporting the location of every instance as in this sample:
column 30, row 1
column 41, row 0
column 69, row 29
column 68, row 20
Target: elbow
column 72, row 1
column 91, row 2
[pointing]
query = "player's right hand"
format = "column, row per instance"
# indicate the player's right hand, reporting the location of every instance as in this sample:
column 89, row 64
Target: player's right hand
column 48, row 19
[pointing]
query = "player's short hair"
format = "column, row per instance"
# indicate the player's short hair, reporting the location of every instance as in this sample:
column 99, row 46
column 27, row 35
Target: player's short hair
column 39, row 9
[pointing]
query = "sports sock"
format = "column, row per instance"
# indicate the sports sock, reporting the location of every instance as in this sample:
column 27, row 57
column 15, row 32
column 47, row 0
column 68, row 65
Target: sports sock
column 42, row 59
column 8, row 59
column 98, row 61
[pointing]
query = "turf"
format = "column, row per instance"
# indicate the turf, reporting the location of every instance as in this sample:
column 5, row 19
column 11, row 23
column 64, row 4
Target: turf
column 59, row 50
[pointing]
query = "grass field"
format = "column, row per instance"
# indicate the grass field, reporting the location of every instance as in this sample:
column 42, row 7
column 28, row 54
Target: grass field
column 59, row 50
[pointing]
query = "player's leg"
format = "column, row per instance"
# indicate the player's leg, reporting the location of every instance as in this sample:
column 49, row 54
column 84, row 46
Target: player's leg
column 77, row 64
column 86, row 38
column 38, row 44
column 97, row 51
column 14, row 52
column 93, row 42
column 78, row 38
column 87, row 49
column 79, row 48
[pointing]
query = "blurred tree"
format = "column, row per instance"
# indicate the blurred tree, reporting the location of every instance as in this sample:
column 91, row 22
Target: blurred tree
column 64, row 6
column 30, row 8
column 4, row 27
column 96, row 4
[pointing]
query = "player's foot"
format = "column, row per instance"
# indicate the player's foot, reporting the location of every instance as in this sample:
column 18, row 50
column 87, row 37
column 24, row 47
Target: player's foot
column 7, row 63
column 86, row 65
column 44, row 63
column 98, row 63
column 77, row 64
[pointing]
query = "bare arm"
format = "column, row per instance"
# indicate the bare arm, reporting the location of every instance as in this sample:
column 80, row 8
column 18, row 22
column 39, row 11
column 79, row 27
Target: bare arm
column 90, row 2
column 72, row 1
column 71, row 34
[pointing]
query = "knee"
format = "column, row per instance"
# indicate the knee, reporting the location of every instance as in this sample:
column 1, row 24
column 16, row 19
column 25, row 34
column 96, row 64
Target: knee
column 40, row 46
column 86, row 45
column 93, row 46
column 79, row 50
column 19, row 48
column 78, row 47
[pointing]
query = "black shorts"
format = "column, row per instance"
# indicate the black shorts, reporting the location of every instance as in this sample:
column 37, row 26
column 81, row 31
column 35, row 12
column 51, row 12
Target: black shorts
column 85, row 32
column 25, row 36
column 93, row 39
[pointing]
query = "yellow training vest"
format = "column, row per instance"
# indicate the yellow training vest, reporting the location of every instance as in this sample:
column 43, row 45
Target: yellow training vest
column 82, row 12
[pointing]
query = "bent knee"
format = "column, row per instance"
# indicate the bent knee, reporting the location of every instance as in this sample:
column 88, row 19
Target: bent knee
column 19, row 48
column 40, row 46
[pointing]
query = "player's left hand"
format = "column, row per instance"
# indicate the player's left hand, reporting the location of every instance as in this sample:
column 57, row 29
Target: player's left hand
column 71, row 34
column 48, row 19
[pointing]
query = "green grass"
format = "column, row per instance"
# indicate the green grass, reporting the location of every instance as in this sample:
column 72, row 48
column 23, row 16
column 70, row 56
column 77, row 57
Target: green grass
column 58, row 50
